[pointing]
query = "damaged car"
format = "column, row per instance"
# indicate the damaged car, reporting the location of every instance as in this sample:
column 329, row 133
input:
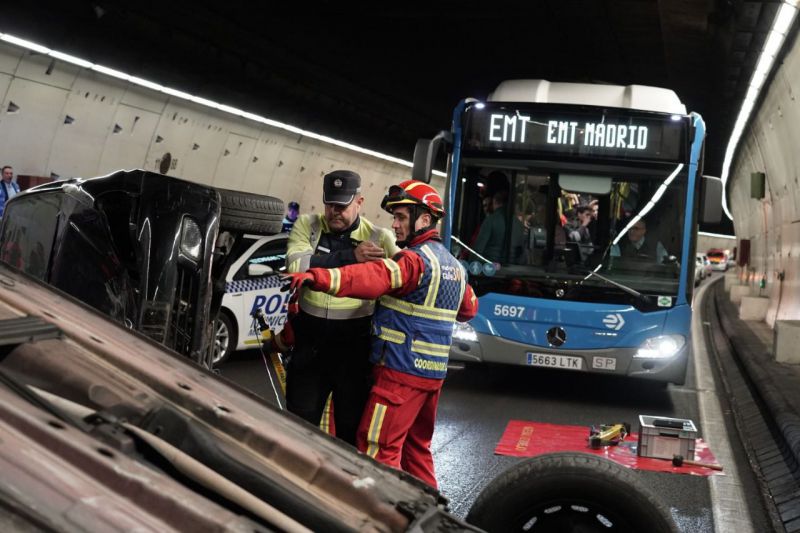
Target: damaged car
column 150, row 251
column 104, row 429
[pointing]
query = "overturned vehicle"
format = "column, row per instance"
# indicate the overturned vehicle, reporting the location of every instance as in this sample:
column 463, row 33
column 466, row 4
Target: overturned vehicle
column 104, row 429
column 150, row 251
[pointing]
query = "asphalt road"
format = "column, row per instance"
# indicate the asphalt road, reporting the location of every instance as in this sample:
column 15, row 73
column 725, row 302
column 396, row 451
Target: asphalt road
column 478, row 402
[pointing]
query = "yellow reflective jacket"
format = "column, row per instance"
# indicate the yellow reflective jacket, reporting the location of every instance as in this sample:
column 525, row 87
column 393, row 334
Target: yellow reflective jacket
column 303, row 241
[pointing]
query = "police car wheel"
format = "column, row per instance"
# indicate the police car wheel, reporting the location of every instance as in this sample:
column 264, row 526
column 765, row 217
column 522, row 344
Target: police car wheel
column 224, row 339
column 569, row 491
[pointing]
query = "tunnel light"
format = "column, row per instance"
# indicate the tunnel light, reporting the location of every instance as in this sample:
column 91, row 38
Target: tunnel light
column 24, row 44
column 773, row 44
column 111, row 72
column 176, row 93
column 775, row 39
column 231, row 110
column 145, row 83
column 205, row 102
column 70, row 59
column 785, row 18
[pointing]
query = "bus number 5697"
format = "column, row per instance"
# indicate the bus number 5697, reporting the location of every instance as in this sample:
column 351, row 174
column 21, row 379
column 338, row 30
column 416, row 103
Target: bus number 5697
column 511, row 311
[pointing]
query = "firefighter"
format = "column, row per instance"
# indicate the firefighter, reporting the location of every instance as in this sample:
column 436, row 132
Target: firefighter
column 422, row 291
column 331, row 334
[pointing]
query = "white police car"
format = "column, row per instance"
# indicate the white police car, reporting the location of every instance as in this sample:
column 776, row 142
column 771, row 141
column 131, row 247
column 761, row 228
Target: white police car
column 253, row 281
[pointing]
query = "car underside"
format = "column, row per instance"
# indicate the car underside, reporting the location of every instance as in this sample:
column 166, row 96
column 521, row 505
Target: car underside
column 104, row 428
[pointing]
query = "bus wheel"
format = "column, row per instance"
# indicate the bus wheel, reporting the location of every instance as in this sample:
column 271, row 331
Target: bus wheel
column 569, row 492
column 224, row 339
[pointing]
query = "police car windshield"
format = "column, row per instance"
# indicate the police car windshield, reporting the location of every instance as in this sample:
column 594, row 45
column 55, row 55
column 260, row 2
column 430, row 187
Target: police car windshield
column 520, row 231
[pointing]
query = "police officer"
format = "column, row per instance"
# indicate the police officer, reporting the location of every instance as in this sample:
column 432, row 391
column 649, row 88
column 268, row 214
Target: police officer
column 422, row 291
column 331, row 352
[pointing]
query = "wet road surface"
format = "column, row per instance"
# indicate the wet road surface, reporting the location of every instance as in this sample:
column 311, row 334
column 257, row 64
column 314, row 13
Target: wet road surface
column 478, row 401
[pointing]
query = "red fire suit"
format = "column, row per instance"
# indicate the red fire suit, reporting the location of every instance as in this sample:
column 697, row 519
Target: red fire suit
column 397, row 426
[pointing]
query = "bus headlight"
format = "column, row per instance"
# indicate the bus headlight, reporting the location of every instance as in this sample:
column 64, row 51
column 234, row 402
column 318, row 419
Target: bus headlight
column 463, row 331
column 191, row 239
column 661, row 347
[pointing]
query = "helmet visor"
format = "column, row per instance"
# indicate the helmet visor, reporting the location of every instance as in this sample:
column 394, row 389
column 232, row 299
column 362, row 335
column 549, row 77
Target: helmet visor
column 397, row 195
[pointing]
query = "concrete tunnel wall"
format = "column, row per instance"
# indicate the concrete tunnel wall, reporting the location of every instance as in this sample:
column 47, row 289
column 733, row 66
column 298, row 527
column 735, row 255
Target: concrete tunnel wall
column 115, row 125
column 771, row 144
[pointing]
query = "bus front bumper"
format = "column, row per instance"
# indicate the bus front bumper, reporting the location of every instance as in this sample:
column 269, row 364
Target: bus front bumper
column 618, row 361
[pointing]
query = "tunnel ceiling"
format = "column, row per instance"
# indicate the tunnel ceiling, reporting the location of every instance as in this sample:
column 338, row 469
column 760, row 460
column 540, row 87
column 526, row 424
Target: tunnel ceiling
column 382, row 76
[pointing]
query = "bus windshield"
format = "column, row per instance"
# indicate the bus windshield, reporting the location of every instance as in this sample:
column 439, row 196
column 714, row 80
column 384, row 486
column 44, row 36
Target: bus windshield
column 544, row 230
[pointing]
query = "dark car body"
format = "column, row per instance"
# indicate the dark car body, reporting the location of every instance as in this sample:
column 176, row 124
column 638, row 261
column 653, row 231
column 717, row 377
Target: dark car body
column 105, row 430
column 141, row 247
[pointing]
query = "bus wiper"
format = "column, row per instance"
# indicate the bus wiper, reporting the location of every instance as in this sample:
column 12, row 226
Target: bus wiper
column 470, row 250
column 633, row 292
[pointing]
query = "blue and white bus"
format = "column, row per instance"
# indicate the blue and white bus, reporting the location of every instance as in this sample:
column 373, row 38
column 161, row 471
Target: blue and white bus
column 574, row 208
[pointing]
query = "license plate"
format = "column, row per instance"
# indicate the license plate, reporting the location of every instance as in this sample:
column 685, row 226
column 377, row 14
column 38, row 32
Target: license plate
column 555, row 361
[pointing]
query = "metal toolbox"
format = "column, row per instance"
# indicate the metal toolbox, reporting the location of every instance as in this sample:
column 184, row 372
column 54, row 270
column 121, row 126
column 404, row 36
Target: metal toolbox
column 662, row 437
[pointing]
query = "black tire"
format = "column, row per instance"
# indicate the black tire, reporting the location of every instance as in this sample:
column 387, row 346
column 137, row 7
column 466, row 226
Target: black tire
column 250, row 213
column 225, row 339
column 569, row 492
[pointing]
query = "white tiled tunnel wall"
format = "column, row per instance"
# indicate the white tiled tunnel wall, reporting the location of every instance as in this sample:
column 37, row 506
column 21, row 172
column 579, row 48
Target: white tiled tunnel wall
column 771, row 144
column 77, row 122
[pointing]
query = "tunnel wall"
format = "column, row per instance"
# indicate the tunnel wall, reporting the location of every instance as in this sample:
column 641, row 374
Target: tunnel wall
column 59, row 120
column 771, row 144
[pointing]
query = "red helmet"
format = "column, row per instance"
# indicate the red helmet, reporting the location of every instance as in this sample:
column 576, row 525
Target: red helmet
column 413, row 192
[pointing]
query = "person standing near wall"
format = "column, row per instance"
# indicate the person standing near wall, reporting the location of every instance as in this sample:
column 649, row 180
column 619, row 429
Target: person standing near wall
column 292, row 212
column 331, row 352
column 8, row 188
column 423, row 290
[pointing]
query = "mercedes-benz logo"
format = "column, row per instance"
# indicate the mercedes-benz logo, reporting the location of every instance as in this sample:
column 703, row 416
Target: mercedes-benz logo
column 556, row 336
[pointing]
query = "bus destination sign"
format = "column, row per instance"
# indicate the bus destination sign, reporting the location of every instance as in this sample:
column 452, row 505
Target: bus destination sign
column 517, row 130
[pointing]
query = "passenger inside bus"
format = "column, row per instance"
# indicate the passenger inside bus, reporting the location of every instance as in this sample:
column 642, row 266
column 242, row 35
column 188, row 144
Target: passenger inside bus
column 577, row 230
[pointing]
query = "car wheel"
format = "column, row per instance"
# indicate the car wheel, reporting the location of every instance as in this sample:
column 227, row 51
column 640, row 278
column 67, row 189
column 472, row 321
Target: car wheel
column 225, row 340
column 251, row 213
column 569, row 492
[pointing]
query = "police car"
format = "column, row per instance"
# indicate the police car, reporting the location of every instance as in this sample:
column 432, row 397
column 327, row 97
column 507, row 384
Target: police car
column 253, row 282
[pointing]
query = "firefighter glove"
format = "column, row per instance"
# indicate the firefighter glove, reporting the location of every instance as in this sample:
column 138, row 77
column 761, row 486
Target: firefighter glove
column 292, row 282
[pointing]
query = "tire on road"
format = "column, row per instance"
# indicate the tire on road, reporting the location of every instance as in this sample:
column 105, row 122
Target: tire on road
column 250, row 213
column 569, row 491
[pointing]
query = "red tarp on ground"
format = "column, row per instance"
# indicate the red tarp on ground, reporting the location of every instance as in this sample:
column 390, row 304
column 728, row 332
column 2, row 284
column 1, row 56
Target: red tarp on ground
column 528, row 439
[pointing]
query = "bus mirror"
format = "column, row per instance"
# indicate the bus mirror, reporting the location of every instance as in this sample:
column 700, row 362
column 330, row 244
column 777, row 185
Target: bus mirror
column 425, row 153
column 596, row 185
column 711, row 197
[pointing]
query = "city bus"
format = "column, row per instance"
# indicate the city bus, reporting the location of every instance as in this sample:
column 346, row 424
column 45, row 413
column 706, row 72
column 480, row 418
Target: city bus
column 574, row 210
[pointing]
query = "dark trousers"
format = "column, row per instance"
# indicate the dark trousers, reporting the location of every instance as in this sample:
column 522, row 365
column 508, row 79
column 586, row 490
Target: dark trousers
column 330, row 356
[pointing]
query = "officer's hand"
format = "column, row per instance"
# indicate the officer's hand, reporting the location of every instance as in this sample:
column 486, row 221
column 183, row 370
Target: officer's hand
column 292, row 282
column 368, row 251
